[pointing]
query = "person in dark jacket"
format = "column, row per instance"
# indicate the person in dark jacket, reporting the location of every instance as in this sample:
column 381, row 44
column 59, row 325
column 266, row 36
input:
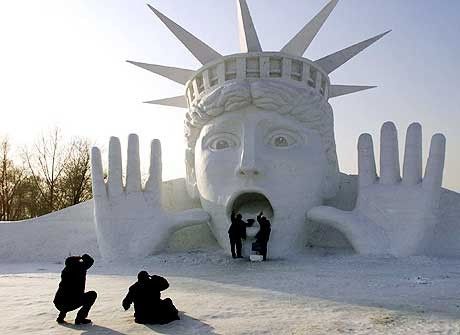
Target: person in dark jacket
column 236, row 232
column 148, row 306
column 262, row 236
column 71, row 292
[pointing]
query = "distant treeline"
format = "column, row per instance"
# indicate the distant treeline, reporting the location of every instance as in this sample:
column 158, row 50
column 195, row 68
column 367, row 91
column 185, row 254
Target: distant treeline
column 47, row 176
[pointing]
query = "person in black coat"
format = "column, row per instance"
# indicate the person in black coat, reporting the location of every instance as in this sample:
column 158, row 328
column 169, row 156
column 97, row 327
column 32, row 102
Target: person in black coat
column 236, row 232
column 71, row 292
column 148, row 306
column 262, row 236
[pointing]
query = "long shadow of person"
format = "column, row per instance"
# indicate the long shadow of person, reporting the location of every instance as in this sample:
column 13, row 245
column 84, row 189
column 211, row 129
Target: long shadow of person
column 92, row 329
column 185, row 326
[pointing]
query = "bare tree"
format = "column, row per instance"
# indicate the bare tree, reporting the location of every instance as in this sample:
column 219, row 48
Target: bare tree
column 53, row 175
column 12, row 181
column 76, row 180
column 25, row 204
column 46, row 163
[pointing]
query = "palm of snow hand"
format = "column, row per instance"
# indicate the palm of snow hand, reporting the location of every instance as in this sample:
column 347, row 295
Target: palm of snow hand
column 392, row 215
column 130, row 221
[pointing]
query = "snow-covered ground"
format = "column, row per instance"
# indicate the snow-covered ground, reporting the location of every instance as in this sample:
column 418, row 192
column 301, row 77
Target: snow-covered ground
column 320, row 292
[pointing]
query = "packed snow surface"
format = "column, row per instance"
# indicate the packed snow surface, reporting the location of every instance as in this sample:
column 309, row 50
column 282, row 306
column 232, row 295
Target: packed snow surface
column 319, row 292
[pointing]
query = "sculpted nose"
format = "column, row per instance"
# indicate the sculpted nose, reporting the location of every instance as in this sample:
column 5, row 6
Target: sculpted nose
column 247, row 166
column 247, row 171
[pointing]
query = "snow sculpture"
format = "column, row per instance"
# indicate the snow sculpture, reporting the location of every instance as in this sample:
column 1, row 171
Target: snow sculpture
column 392, row 216
column 260, row 137
column 262, row 146
column 130, row 221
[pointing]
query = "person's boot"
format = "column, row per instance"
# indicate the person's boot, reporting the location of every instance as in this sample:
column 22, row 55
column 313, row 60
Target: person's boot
column 89, row 299
column 82, row 321
column 81, row 316
column 60, row 318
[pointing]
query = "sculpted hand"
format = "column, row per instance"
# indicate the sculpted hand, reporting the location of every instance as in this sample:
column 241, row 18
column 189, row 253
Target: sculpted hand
column 130, row 221
column 392, row 215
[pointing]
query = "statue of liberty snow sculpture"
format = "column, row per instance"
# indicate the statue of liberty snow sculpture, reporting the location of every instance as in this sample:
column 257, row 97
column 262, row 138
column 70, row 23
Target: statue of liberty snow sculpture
column 260, row 137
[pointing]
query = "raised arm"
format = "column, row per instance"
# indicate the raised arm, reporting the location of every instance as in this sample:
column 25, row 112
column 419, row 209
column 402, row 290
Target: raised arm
column 88, row 261
column 160, row 283
column 259, row 216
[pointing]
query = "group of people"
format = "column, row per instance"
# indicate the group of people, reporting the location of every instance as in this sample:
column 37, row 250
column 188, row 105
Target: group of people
column 145, row 294
column 237, row 233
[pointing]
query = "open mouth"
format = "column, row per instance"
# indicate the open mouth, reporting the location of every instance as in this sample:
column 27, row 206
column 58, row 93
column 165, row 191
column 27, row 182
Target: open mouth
column 251, row 204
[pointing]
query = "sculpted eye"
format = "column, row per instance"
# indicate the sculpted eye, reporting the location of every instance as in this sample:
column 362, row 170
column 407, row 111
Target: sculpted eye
column 282, row 140
column 222, row 142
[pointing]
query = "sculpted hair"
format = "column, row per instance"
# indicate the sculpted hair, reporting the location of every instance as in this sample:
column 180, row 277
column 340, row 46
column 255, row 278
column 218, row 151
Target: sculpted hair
column 303, row 104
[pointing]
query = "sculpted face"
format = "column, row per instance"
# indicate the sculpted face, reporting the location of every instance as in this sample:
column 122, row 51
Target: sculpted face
column 254, row 160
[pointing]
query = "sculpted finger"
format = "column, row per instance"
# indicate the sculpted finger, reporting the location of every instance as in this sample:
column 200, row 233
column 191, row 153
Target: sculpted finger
column 389, row 154
column 133, row 166
column 412, row 169
column 435, row 165
column 367, row 174
column 155, row 178
column 97, row 174
column 114, row 183
column 331, row 216
column 190, row 217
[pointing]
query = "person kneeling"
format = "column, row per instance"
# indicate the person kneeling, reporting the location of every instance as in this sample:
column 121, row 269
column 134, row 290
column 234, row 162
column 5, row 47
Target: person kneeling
column 71, row 292
column 148, row 307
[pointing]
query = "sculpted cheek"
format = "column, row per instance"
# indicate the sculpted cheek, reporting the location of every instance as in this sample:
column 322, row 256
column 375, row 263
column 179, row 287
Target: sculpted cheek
column 285, row 168
column 311, row 165
column 217, row 165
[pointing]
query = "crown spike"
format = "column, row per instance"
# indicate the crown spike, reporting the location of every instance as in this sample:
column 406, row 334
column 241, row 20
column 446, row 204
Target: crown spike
column 300, row 42
column 203, row 52
column 178, row 101
column 338, row 90
column 337, row 59
column 247, row 32
column 178, row 75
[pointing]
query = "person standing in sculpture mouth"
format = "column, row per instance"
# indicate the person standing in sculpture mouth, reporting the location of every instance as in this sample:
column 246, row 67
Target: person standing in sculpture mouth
column 71, row 292
column 236, row 232
column 263, row 235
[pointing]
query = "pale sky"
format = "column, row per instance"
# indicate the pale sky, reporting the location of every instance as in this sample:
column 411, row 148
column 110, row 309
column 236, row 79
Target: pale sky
column 62, row 63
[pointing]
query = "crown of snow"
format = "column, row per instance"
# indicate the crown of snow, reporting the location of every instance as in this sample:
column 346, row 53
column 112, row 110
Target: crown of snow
column 253, row 63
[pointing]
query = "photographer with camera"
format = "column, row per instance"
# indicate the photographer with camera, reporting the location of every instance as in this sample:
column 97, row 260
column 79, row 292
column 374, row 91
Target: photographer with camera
column 148, row 306
column 71, row 292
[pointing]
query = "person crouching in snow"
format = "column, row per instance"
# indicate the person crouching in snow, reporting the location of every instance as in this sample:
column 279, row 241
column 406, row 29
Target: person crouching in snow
column 71, row 292
column 148, row 307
